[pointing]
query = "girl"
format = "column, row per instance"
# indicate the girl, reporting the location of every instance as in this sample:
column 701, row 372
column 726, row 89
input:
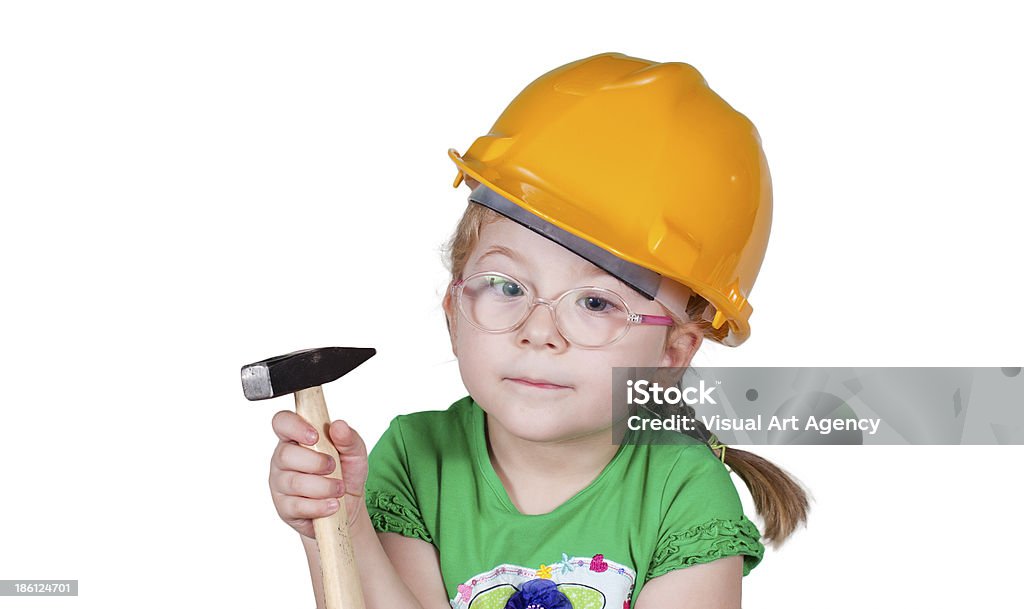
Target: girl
column 633, row 204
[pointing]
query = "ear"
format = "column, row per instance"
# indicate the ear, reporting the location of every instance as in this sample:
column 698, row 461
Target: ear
column 683, row 342
column 449, row 317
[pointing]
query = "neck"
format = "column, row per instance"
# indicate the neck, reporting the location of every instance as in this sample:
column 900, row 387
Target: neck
column 572, row 459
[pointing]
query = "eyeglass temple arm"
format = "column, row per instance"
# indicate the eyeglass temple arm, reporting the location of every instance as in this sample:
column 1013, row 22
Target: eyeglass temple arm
column 650, row 320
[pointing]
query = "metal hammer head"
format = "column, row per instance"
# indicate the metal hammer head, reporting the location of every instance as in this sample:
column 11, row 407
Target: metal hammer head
column 300, row 370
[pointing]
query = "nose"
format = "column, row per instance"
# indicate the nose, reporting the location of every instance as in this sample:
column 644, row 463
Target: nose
column 540, row 329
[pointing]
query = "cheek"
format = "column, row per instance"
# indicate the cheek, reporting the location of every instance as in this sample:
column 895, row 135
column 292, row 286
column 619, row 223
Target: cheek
column 642, row 347
column 477, row 357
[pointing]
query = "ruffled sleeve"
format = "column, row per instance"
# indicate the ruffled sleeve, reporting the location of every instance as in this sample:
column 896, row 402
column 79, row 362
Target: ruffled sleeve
column 703, row 517
column 390, row 498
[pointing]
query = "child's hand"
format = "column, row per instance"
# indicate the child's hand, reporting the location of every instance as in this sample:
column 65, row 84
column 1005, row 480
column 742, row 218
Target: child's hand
column 298, row 475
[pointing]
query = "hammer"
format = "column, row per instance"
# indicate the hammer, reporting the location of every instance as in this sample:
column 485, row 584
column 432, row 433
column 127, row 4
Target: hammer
column 302, row 373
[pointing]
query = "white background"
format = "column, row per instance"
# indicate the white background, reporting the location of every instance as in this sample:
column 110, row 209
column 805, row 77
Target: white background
column 187, row 187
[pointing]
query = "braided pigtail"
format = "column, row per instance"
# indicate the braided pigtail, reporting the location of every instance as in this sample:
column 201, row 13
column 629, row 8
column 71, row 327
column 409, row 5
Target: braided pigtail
column 778, row 498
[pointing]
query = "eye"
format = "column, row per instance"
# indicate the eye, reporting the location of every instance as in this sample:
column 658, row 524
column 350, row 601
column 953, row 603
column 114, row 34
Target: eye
column 508, row 288
column 596, row 304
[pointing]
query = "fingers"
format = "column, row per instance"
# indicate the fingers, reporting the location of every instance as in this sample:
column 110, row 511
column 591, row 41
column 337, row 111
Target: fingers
column 311, row 486
column 292, row 457
column 299, row 482
column 290, row 427
column 292, row 508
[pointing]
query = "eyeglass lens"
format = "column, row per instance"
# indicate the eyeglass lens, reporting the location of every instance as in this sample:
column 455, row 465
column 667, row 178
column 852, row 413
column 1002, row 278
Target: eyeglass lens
column 586, row 316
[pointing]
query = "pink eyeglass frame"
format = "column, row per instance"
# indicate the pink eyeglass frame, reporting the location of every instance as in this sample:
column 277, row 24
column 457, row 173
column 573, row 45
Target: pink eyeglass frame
column 632, row 319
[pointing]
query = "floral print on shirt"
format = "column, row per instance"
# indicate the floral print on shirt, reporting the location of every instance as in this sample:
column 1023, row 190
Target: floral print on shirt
column 577, row 582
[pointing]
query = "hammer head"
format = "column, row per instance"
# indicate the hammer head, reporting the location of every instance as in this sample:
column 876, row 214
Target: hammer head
column 300, row 370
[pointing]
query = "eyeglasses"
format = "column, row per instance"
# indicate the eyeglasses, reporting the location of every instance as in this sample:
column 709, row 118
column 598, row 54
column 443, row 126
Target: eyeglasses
column 589, row 317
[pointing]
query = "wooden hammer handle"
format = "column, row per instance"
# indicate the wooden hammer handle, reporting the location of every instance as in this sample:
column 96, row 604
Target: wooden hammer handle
column 337, row 558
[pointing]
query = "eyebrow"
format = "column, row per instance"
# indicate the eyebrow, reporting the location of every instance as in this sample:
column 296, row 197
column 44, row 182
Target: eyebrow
column 498, row 249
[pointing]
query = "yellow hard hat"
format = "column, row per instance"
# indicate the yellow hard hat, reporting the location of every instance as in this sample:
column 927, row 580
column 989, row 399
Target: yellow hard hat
column 646, row 162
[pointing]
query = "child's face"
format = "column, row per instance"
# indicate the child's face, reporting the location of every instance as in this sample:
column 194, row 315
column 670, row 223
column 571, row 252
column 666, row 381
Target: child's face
column 536, row 350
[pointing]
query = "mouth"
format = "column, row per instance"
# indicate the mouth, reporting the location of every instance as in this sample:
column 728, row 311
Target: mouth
column 538, row 383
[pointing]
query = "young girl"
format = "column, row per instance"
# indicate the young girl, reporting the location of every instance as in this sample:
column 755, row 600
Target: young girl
column 619, row 215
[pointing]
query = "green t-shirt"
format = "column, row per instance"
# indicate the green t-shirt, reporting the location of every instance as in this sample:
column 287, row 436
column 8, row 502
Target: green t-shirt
column 653, row 508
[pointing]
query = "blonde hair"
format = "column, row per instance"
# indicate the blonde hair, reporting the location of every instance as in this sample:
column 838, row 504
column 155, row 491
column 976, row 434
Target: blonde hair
column 778, row 498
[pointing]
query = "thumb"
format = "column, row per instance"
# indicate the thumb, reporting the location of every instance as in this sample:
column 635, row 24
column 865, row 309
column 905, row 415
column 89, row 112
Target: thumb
column 346, row 439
